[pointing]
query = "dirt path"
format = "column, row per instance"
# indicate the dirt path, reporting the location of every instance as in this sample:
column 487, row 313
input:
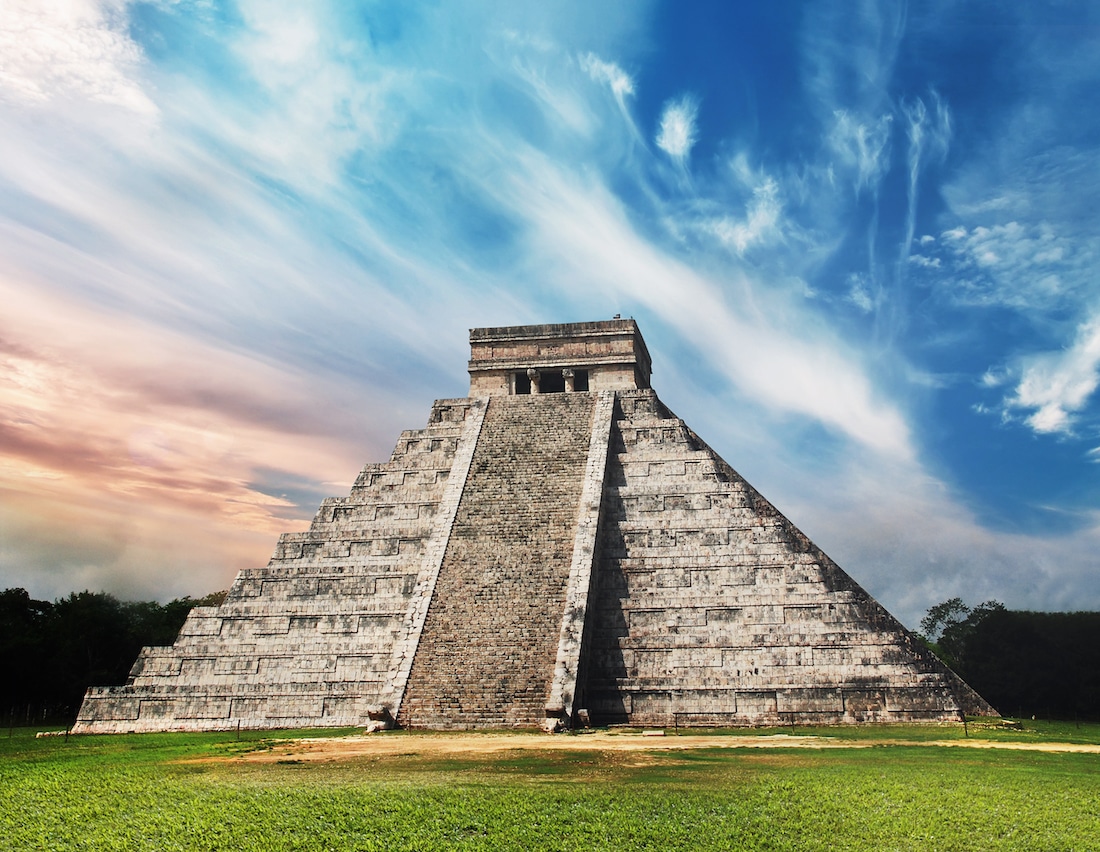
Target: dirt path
column 438, row 745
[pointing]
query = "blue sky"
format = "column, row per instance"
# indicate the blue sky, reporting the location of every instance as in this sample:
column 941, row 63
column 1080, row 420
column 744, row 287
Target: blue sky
column 241, row 246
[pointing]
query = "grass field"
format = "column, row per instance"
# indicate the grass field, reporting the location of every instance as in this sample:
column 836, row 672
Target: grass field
column 884, row 789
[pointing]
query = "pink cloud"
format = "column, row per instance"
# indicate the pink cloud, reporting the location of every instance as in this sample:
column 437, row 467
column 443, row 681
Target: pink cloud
column 133, row 453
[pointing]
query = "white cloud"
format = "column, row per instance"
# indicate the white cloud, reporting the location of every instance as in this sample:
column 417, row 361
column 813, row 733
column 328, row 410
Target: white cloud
column 848, row 56
column 563, row 103
column 993, row 378
column 761, row 224
column 862, row 147
column 279, row 40
column 759, row 341
column 612, row 76
column 1058, row 384
column 1029, row 267
column 677, row 134
column 609, row 73
column 929, row 133
column 52, row 49
column 859, row 293
column 329, row 97
column 849, row 50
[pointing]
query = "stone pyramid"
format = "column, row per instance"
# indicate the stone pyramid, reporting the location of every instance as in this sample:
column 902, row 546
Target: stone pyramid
column 556, row 546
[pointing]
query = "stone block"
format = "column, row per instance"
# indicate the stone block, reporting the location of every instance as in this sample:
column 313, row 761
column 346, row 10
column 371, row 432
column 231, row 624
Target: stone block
column 757, row 704
column 803, row 701
column 101, row 706
column 201, row 625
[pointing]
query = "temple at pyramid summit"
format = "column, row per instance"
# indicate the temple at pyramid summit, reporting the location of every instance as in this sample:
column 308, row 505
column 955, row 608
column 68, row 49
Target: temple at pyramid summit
column 556, row 548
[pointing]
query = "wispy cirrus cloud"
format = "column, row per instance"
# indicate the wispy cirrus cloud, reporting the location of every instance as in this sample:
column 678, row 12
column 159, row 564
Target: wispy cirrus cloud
column 771, row 362
column 761, row 224
column 612, row 75
column 929, row 132
column 849, row 53
column 1032, row 269
column 862, row 147
column 1019, row 233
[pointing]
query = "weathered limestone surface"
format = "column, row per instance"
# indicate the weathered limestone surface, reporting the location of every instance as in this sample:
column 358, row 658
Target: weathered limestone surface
column 574, row 635
column 612, row 352
column 487, row 653
column 713, row 609
column 536, row 550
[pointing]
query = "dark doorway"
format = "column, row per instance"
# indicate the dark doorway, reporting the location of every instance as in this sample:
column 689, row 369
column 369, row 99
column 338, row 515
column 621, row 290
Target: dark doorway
column 552, row 381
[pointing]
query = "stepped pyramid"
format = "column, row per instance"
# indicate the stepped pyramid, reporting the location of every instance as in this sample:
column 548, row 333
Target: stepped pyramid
column 558, row 544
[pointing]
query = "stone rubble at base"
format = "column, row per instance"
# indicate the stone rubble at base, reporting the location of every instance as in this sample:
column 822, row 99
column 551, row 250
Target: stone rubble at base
column 558, row 542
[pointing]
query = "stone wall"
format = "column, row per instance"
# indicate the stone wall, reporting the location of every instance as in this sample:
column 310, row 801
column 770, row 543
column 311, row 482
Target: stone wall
column 613, row 352
column 713, row 609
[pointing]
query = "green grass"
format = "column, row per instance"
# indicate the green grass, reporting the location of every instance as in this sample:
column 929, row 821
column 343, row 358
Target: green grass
column 146, row 792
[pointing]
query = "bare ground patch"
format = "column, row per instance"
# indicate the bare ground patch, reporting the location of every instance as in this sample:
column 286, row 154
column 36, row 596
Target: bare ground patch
column 437, row 745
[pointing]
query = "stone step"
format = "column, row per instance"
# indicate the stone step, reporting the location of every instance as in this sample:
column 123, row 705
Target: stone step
column 486, row 654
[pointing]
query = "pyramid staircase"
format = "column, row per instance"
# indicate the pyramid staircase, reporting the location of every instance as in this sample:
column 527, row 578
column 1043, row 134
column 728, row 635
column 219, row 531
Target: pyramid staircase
column 486, row 655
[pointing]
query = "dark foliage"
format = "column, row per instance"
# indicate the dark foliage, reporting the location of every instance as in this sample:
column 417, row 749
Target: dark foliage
column 50, row 653
column 1044, row 664
column 949, row 626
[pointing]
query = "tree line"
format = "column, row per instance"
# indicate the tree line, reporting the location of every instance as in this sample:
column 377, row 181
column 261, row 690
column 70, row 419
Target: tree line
column 1043, row 664
column 52, row 651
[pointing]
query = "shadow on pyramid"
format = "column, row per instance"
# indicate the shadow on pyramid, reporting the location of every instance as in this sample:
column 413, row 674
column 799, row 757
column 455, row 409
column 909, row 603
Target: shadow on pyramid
column 556, row 547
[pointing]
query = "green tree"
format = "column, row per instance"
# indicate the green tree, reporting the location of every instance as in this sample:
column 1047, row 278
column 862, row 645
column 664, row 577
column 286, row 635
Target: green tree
column 949, row 627
column 1023, row 663
column 50, row 653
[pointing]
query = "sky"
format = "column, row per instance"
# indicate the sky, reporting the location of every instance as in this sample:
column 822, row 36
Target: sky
column 242, row 245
